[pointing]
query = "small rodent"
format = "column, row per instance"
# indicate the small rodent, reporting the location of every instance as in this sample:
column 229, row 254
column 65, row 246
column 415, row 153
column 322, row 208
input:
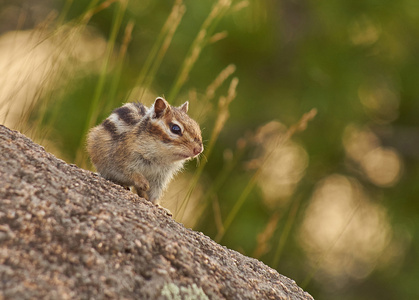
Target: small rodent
column 144, row 147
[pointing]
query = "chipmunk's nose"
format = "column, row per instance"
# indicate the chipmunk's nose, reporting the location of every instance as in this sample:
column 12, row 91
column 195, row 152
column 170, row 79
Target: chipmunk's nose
column 198, row 149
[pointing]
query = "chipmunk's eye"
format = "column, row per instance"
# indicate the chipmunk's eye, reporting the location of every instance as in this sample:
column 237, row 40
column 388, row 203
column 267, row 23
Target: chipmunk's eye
column 175, row 129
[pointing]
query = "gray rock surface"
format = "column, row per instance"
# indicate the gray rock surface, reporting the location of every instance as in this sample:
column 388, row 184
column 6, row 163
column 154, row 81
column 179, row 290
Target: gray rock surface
column 66, row 233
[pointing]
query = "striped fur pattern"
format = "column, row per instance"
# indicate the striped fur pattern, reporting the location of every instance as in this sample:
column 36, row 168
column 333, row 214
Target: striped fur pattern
column 144, row 147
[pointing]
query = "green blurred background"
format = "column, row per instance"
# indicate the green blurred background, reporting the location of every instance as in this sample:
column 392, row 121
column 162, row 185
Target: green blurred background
column 334, row 206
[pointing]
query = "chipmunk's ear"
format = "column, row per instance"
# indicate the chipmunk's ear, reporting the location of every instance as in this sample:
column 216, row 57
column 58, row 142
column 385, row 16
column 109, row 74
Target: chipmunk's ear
column 160, row 106
column 184, row 107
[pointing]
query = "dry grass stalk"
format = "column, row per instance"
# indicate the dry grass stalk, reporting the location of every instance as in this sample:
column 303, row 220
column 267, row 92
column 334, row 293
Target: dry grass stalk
column 191, row 59
column 127, row 39
column 239, row 6
column 223, row 112
column 198, row 44
column 95, row 9
column 211, row 90
column 217, row 213
column 178, row 12
column 81, row 156
column 119, row 64
column 286, row 231
column 43, row 52
column 159, row 48
column 219, row 80
column 264, row 237
column 222, row 117
column 231, row 161
column 299, row 126
column 217, row 37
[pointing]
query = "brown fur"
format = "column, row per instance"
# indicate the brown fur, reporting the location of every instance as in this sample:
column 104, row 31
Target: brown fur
column 135, row 146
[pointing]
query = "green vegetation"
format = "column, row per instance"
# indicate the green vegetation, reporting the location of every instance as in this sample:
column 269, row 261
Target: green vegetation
column 308, row 111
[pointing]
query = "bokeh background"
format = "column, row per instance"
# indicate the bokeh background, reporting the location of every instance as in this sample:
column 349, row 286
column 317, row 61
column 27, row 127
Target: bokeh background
column 309, row 111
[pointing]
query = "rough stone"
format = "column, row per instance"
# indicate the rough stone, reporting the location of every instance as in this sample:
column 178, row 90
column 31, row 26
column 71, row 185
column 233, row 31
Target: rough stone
column 66, row 233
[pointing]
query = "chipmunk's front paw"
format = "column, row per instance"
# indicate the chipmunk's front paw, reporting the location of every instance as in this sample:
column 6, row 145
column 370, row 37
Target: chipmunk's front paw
column 143, row 186
column 141, row 183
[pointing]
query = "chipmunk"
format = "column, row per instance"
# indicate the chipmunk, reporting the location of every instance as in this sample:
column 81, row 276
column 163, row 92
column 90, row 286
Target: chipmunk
column 144, row 147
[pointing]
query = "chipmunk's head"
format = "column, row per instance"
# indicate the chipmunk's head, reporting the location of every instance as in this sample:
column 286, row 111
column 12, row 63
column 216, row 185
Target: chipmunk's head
column 178, row 132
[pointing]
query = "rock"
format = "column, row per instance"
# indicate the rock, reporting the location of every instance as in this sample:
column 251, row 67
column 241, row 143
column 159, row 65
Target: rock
column 66, row 233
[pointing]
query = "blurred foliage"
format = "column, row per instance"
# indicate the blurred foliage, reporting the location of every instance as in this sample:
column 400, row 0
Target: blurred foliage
column 355, row 62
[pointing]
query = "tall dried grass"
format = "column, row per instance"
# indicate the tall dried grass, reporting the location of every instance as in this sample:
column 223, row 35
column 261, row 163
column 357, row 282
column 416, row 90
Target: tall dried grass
column 114, row 58
column 299, row 126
